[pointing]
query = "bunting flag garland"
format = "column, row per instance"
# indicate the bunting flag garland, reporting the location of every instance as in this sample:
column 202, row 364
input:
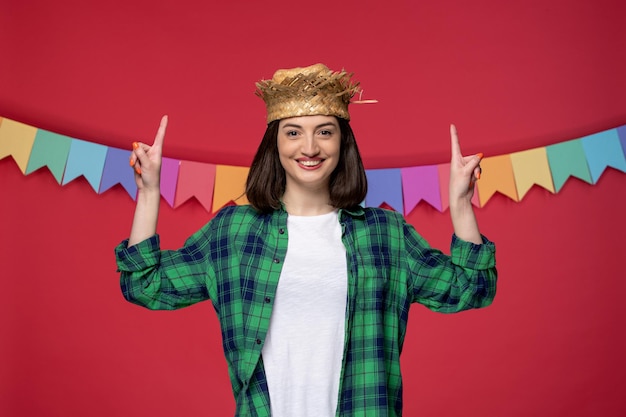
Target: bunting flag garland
column 402, row 189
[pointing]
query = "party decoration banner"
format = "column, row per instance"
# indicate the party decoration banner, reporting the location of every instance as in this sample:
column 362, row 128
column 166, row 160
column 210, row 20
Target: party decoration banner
column 86, row 159
column 499, row 177
column 567, row 159
column 402, row 189
column 116, row 172
column 530, row 168
column 169, row 179
column 16, row 140
column 195, row 179
column 49, row 150
column 603, row 150
column 384, row 186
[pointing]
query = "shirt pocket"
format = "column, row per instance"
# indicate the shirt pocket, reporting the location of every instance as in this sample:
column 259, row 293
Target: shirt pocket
column 372, row 291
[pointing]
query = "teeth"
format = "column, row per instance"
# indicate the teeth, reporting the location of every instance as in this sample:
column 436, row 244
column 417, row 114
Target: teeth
column 310, row 163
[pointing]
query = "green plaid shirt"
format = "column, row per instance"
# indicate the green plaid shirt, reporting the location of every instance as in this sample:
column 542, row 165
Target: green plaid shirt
column 235, row 261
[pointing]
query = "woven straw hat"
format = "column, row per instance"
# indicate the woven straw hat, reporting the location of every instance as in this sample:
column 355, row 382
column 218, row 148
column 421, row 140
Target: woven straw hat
column 308, row 91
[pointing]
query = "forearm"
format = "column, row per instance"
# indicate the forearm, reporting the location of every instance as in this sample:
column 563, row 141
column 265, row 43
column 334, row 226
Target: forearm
column 464, row 221
column 146, row 216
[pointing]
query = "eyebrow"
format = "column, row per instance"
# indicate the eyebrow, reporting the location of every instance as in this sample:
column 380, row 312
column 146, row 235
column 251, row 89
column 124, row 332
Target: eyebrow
column 316, row 127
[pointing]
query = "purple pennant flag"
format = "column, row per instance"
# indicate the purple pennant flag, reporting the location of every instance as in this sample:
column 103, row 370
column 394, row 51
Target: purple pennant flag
column 421, row 183
column 169, row 179
column 384, row 186
column 117, row 171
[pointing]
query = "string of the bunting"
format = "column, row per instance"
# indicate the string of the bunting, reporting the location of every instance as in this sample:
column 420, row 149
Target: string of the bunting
column 401, row 189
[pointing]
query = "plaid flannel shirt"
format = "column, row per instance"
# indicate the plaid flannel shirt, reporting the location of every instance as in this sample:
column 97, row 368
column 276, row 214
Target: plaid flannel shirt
column 235, row 261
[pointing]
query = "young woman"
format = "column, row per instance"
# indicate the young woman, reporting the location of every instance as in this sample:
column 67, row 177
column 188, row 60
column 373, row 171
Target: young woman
column 312, row 291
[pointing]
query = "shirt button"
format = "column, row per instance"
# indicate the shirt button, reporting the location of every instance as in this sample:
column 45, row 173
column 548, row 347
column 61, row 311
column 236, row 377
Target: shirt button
column 281, row 231
column 267, row 299
column 276, row 260
column 258, row 341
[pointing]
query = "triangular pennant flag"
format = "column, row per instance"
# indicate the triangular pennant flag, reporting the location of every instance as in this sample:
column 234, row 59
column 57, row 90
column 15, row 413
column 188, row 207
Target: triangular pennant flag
column 384, row 186
column 16, row 140
column 86, row 159
column 497, row 177
column 444, row 187
column 117, row 171
column 195, row 179
column 420, row 183
column 230, row 185
column 603, row 150
column 50, row 150
column 529, row 168
column 567, row 159
column 621, row 132
column 169, row 179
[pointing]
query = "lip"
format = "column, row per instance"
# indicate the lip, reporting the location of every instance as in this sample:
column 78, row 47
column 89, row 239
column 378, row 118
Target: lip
column 311, row 167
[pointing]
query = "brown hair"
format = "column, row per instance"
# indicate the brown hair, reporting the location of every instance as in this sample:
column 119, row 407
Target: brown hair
column 266, row 180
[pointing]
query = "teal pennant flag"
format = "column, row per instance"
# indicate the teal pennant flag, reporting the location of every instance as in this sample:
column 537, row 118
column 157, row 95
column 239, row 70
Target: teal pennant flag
column 603, row 150
column 384, row 186
column 567, row 159
column 49, row 150
column 86, row 159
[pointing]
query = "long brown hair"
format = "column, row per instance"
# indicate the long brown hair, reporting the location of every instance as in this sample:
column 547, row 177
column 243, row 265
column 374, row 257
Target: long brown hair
column 266, row 181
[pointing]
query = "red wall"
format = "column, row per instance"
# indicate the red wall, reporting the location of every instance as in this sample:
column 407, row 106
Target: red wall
column 511, row 77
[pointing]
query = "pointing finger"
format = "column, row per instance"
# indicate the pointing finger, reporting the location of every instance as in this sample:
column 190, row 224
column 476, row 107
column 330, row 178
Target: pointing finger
column 454, row 142
column 158, row 139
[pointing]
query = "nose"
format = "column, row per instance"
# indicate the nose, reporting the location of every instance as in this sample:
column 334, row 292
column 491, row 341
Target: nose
column 310, row 147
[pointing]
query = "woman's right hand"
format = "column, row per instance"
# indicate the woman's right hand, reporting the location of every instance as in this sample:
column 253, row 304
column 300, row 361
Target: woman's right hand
column 146, row 161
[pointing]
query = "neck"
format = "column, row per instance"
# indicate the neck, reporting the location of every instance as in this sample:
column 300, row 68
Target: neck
column 307, row 202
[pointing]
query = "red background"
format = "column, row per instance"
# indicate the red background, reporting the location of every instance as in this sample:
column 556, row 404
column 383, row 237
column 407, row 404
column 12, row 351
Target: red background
column 511, row 76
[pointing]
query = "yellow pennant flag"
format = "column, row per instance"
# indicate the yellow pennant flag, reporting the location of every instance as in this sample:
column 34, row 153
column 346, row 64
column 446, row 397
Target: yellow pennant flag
column 230, row 185
column 497, row 176
column 16, row 139
column 529, row 168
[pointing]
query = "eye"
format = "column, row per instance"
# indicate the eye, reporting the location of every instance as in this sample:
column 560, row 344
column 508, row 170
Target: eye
column 292, row 133
column 326, row 132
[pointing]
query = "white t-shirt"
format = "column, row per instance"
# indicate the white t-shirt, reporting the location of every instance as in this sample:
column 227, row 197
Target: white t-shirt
column 303, row 350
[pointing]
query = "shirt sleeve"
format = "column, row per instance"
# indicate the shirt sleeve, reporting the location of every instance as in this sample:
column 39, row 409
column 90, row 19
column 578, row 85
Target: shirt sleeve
column 165, row 279
column 463, row 280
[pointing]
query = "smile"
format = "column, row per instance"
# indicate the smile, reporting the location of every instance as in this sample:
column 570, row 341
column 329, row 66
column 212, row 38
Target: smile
column 310, row 163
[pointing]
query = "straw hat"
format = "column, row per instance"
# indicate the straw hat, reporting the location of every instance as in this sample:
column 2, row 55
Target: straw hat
column 308, row 91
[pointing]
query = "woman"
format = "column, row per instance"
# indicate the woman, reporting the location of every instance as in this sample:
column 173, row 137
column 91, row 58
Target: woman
column 312, row 291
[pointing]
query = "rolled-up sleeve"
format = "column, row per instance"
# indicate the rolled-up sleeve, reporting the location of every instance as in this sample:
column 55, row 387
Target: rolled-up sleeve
column 165, row 279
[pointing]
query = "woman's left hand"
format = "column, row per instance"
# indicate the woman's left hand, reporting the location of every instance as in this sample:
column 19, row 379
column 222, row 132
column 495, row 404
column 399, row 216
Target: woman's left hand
column 464, row 170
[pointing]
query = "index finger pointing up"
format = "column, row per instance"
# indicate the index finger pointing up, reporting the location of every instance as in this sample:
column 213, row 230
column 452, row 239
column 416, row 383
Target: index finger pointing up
column 454, row 141
column 158, row 139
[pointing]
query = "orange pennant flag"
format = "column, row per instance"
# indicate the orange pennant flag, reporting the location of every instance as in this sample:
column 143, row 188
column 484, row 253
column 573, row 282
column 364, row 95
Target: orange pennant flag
column 16, row 140
column 230, row 185
column 529, row 168
column 497, row 177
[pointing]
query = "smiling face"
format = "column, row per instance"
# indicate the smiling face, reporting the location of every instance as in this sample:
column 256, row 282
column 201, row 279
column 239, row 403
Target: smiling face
column 309, row 149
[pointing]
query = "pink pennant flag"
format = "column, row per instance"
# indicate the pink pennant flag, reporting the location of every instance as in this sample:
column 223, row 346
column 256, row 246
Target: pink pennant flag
column 195, row 179
column 169, row 179
column 420, row 183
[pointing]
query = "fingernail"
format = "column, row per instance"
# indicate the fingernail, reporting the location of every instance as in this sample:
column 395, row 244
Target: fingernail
column 471, row 184
column 478, row 175
column 131, row 161
column 480, row 155
column 135, row 145
column 138, row 170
